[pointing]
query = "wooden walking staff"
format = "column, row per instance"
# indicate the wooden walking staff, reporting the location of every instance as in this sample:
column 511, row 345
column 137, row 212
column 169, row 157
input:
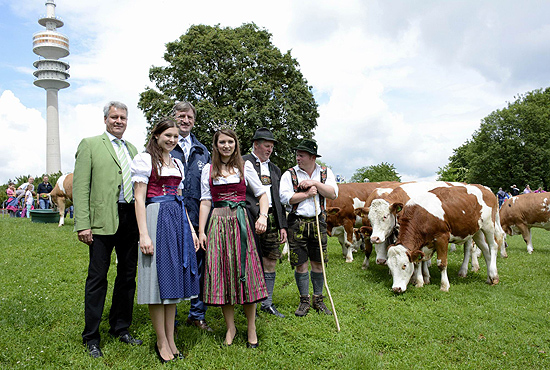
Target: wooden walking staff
column 323, row 264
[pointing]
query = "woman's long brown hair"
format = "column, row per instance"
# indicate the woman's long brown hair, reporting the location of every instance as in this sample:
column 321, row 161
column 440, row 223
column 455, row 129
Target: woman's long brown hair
column 234, row 161
column 153, row 147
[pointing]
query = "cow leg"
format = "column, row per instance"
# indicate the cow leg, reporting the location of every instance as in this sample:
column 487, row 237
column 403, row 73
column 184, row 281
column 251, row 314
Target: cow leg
column 61, row 208
column 490, row 255
column 348, row 227
column 368, row 251
column 426, row 271
column 463, row 271
column 500, row 237
column 349, row 255
column 476, row 252
column 341, row 235
column 416, row 278
column 526, row 233
column 350, row 236
column 441, row 246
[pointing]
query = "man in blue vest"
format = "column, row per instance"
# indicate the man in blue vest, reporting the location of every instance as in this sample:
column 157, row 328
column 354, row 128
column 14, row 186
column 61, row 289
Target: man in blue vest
column 275, row 235
column 304, row 188
column 194, row 156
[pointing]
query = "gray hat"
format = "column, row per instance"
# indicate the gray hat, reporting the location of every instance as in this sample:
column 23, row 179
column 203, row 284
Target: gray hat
column 308, row 145
column 263, row 134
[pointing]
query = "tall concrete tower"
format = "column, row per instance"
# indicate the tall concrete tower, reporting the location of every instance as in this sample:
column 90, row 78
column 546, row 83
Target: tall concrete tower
column 51, row 74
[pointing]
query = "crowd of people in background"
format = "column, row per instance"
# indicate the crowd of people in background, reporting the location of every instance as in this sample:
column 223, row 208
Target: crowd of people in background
column 24, row 199
column 515, row 191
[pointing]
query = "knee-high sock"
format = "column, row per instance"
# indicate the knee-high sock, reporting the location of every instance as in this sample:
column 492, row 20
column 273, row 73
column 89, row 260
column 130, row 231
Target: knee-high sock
column 302, row 281
column 270, row 284
column 317, row 282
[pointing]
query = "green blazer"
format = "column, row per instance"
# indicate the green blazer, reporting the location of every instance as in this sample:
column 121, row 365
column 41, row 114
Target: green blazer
column 96, row 185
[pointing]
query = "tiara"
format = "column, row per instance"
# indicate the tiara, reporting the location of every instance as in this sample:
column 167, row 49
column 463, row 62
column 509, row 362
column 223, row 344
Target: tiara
column 231, row 125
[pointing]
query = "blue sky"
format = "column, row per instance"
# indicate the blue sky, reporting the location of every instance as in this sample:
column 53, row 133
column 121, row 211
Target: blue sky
column 403, row 82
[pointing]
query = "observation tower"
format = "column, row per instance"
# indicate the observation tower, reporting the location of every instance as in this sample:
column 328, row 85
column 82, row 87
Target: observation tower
column 52, row 75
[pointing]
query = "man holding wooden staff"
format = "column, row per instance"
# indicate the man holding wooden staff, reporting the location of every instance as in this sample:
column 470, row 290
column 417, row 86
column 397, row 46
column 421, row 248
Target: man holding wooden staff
column 301, row 187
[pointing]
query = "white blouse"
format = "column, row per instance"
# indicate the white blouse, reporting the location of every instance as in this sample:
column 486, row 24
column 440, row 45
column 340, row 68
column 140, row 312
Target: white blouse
column 250, row 177
column 142, row 166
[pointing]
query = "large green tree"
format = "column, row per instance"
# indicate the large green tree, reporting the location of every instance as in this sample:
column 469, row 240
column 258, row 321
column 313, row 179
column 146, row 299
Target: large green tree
column 235, row 76
column 375, row 173
column 511, row 146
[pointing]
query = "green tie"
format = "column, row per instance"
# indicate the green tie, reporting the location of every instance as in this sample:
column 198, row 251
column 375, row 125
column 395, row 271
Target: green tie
column 126, row 178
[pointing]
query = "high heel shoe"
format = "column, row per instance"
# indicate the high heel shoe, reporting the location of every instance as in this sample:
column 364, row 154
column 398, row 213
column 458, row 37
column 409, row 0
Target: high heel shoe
column 179, row 356
column 252, row 345
column 162, row 360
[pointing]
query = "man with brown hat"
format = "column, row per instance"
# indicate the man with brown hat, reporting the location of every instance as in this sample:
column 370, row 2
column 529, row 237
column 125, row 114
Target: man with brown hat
column 275, row 235
column 304, row 188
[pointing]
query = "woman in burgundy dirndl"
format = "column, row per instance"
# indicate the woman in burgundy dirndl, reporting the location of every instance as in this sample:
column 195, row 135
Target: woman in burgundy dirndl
column 167, row 264
column 233, row 272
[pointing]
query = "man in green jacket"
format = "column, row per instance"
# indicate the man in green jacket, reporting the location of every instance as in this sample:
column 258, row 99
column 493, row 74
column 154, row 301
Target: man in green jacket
column 105, row 219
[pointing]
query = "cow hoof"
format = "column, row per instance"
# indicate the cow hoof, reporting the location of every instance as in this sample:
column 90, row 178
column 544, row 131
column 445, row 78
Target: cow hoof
column 530, row 251
column 380, row 262
column 444, row 288
column 462, row 274
column 397, row 290
column 475, row 269
column 493, row 281
column 349, row 260
column 426, row 281
column 503, row 254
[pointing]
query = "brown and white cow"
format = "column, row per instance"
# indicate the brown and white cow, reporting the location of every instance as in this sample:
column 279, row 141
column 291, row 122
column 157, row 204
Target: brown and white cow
column 366, row 229
column 341, row 218
column 62, row 195
column 435, row 216
column 520, row 213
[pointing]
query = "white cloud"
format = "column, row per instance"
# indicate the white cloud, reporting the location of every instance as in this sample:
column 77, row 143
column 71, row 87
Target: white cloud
column 23, row 144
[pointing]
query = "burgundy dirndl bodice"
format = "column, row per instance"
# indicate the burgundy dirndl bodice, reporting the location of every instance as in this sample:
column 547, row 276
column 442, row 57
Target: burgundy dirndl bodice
column 227, row 244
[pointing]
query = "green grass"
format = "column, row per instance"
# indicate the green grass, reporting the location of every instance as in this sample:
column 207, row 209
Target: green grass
column 473, row 326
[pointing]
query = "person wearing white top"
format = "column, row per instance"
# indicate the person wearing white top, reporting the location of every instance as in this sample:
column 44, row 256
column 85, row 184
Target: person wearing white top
column 275, row 235
column 233, row 271
column 304, row 188
column 167, row 265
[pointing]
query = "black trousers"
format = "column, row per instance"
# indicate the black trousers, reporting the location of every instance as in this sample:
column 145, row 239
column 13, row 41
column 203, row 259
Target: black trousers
column 125, row 243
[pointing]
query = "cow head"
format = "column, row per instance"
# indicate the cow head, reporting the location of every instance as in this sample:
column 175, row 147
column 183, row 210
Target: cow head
column 382, row 217
column 401, row 264
column 333, row 218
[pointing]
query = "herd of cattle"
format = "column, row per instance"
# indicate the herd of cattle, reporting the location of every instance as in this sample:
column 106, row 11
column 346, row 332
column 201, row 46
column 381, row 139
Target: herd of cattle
column 407, row 222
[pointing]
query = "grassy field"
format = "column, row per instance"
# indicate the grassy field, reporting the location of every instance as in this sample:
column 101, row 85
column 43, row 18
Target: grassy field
column 473, row 326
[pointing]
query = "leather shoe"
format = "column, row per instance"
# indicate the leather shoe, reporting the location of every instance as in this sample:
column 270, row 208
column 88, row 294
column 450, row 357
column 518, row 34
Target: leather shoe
column 272, row 310
column 201, row 324
column 128, row 339
column 94, row 350
column 250, row 345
